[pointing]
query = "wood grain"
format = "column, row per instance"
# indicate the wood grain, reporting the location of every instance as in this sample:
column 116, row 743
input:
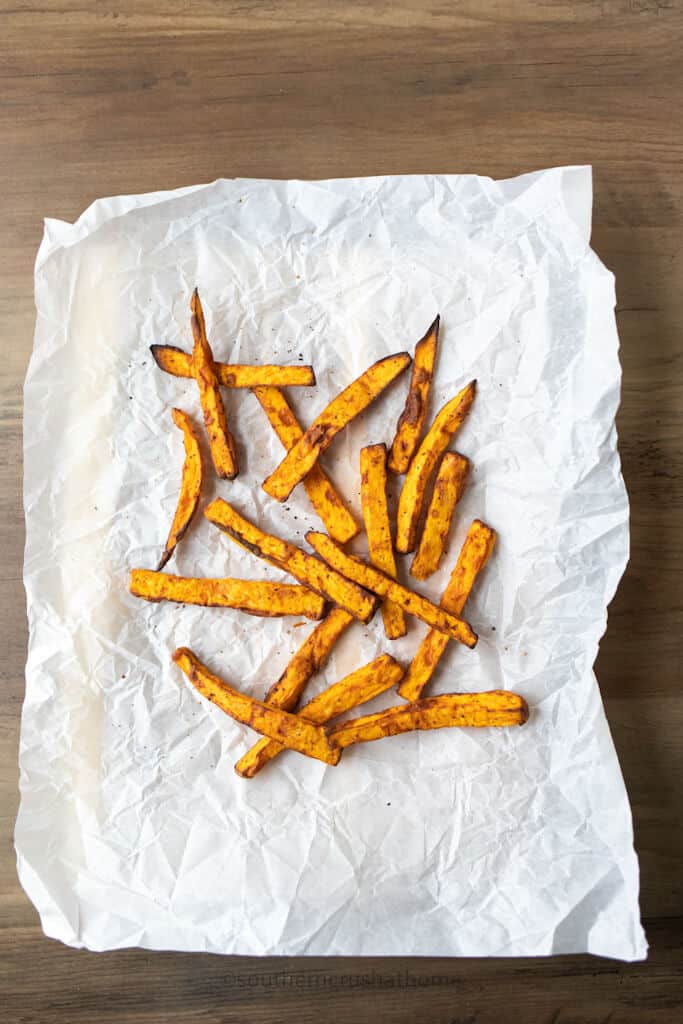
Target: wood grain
column 99, row 99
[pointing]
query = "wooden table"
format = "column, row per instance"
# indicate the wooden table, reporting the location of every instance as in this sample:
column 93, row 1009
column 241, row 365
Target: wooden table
column 99, row 99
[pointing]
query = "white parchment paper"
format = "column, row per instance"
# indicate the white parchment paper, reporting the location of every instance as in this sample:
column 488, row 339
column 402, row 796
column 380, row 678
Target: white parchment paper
column 133, row 828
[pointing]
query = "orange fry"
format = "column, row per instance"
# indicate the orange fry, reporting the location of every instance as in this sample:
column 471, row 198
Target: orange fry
column 290, row 730
column 496, row 708
column 178, row 363
column 448, row 490
column 304, row 567
column 257, row 597
column 411, row 420
column 340, row 411
column 221, row 441
column 474, row 555
column 434, row 444
column 372, row 579
column 308, row 660
column 190, row 485
column 323, row 497
column 373, row 496
column 357, row 688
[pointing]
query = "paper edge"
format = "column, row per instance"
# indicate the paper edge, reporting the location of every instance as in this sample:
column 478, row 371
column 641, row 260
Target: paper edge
column 58, row 233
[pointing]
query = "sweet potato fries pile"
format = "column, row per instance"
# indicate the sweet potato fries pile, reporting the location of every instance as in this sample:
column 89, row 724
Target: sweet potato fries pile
column 332, row 585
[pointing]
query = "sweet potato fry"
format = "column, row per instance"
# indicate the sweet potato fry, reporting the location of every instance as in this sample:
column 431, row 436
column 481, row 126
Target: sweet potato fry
column 285, row 693
column 221, row 441
column 474, row 555
column 434, row 444
column 357, row 688
column 373, row 496
column 411, row 420
column 478, row 710
column 304, row 567
column 257, row 597
column 308, row 660
column 290, row 730
column 372, row 579
column 340, row 411
column 178, row 363
column 325, row 500
column 448, row 490
column 190, row 485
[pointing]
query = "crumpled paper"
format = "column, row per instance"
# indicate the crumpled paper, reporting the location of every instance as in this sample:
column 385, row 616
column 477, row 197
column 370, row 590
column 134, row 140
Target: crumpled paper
column 133, row 828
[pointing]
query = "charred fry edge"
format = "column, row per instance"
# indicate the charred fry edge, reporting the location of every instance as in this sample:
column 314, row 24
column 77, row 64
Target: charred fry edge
column 256, row 597
column 321, row 492
column 336, row 415
column 307, row 569
column 373, row 497
column 354, row 689
column 411, row 420
column 474, row 554
column 413, row 495
column 178, row 363
column 493, row 709
column 294, row 732
column 374, row 580
column 191, row 480
column 449, row 488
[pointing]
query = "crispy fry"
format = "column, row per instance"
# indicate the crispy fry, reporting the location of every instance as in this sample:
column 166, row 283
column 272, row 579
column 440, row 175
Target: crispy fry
column 285, row 693
column 221, row 441
column 496, row 708
column 178, row 363
column 474, row 555
column 308, row 660
column 448, row 490
column 340, row 411
column 304, row 567
column 373, row 496
column 434, row 444
column 372, row 579
column 190, row 485
column 411, row 420
column 290, row 730
column 257, row 597
column 323, row 497
column 357, row 688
